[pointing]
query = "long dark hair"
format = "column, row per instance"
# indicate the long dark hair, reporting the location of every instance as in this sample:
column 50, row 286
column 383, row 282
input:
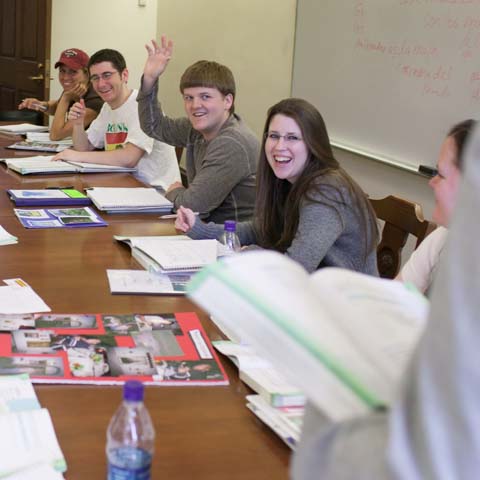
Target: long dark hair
column 278, row 201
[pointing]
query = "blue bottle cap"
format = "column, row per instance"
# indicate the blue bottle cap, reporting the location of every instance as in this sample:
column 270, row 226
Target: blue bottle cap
column 230, row 225
column 133, row 391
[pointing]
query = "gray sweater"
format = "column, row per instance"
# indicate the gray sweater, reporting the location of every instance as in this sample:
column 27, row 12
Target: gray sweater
column 432, row 431
column 328, row 234
column 220, row 172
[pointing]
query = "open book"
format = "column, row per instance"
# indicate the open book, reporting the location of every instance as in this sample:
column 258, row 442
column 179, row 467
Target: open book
column 343, row 338
column 44, row 164
column 129, row 200
column 260, row 375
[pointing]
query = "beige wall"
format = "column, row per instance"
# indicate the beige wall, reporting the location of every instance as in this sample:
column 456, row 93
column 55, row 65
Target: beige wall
column 253, row 38
column 95, row 24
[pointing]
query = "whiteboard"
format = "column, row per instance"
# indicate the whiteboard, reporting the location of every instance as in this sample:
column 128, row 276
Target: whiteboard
column 390, row 77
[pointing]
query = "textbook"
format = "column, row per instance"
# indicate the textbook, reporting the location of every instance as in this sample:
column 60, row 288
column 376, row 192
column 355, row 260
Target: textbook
column 141, row 282
column 260, row 375
column 39, row 146
column 343, row 338
column 104, row 349
column 44, row 165
column 44, row 137
column 59, row 218
column 23, row 128
column 129, row 200
column 172, row 254
column 46, row 197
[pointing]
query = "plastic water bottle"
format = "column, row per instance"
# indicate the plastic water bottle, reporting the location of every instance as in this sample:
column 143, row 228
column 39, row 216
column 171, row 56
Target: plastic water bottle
column 229, row 237
column 130, row 437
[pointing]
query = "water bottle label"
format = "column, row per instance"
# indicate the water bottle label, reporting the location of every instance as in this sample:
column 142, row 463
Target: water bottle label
column 128, row 463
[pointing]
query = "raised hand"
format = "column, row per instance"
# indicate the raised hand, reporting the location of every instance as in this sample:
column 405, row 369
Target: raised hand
column 76, row 114
column 157, row 60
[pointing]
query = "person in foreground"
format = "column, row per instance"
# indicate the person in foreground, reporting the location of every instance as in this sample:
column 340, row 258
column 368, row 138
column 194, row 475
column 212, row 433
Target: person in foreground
column 431, row 431
column 116, row 131
column 307, row 206
column 221, row 151
column 422, row 265
column 73, row 77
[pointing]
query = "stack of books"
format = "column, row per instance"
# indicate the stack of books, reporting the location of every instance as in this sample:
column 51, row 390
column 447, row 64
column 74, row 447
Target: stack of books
column 278, row 404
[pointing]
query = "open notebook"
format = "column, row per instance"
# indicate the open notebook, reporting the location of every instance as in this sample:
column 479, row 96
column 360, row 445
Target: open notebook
column 44, row 164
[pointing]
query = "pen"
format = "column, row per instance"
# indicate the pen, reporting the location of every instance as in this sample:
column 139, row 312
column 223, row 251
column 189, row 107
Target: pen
column 173, row 215
column 68, row 187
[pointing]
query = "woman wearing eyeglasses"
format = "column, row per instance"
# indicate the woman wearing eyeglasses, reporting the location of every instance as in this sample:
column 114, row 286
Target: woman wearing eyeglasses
column 307, row 206
column 73, row 77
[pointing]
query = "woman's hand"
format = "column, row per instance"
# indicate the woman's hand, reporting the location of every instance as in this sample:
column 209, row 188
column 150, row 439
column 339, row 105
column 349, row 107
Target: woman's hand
column 33, row 104
column 75, row 93
column 185, row 219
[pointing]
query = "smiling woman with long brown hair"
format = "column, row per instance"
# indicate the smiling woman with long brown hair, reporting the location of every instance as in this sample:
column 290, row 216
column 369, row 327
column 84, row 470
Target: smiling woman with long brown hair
column 307, row 206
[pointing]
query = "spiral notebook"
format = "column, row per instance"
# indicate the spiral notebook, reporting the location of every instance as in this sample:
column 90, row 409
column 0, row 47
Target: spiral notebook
column 174, row 255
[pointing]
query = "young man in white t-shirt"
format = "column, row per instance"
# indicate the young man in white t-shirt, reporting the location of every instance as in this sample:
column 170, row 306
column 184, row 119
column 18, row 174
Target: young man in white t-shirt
column 116, row 132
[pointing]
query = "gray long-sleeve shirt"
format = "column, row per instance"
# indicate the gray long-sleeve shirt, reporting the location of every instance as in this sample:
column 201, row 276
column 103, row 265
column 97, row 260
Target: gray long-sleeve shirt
column 328, row 234
column 433, row 429
column 220, row 172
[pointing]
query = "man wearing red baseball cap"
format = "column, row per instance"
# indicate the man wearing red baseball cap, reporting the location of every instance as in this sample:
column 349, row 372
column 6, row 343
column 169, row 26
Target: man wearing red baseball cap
column 74, row 78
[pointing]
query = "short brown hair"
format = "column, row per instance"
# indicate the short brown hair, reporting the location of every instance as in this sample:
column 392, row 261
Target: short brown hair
column 212, row 75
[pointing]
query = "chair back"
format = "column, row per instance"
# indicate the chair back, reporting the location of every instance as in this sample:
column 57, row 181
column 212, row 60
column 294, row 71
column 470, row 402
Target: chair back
column 402, row 218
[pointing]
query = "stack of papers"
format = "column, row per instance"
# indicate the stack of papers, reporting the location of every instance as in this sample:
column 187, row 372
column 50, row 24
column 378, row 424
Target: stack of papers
column 129, row 200
column 23, row 128
column 18, row 297
column 6, row 238
column 28, row 443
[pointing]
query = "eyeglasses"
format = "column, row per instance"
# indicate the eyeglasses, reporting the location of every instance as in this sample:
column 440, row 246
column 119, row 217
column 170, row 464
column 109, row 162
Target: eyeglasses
column 103, row 76
column 288, row 138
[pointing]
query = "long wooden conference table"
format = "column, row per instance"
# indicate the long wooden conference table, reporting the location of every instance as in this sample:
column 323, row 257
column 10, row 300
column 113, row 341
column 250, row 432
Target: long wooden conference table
column 201, row 432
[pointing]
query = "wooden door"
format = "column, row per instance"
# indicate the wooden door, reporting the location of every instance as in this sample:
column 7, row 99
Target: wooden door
column 24, row 51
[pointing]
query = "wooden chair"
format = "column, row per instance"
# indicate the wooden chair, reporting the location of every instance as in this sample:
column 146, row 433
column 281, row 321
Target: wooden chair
column 402, row 218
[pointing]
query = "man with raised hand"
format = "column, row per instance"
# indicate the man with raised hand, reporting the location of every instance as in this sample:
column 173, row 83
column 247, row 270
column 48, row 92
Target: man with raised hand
column 221, row 151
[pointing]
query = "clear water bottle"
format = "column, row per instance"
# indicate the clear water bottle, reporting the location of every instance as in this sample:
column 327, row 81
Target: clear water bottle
column 229, row 237
column 130, row 437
